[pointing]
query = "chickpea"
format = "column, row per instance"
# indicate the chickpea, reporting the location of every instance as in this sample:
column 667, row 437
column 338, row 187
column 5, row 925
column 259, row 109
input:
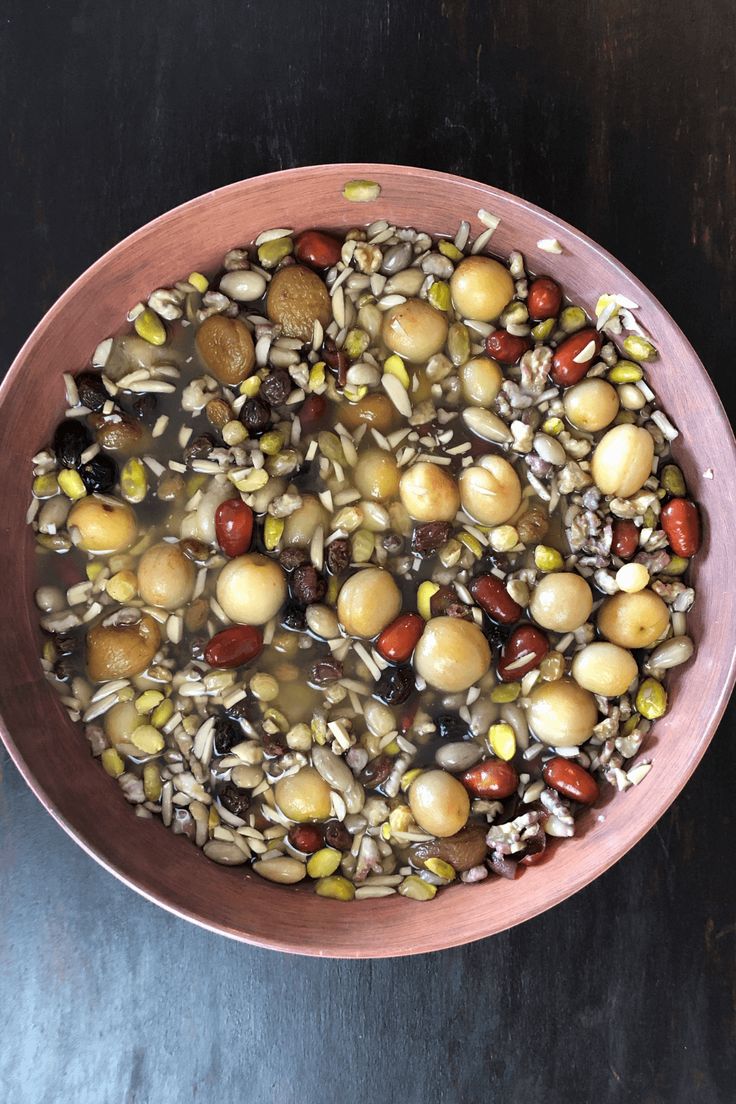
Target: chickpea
column 375, row 410
column 481, row 378
column 439, row 803
column 481, row 288
column 490, row 490
column 105, row 525
column 591, row 404
column 561, row 602
column 368, row 602
column 604, row 669
column 303, row 796
column 377, row 475
column 633, row 620
column 452, row 654
column 300, row 526
column 429, row 493
column 251, row 589
column 622, row 461
column 414, row 330
column 561, row 713
column 121, row 651
column 166, row 576
column 121, row 721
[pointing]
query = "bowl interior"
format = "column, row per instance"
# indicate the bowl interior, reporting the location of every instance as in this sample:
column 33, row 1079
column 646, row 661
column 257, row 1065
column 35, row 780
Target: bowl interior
column 51, row 751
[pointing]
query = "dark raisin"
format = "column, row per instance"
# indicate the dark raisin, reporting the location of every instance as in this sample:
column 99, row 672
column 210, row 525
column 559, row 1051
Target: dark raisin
column 426, row 539
column 451, row 727
column 496, row 635
column 228, row 733
column 312, row 411
column 244, row 710
column 336, row 359
column 307, row 585
column 337, row 836
column 291, row 558
column 276, row 387
column 293, row 618
column 393, row 543
column 92, row 391
column 66, row 643
column 99, row 474
column 395, row 685
column 491, row 560
column 255, row 415
column 457, row 609
column 376, row 772
column 64, row 668
column 325, row 671
column 70, row 441
column 199, row 448
column 234, row 800
column 439, row 602
column 145, row 407
column 274, row 744
column 338, row 556
column 197, row 646
column 195, row 550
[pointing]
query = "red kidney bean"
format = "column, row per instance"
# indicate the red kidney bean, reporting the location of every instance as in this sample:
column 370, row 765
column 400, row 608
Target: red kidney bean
column 681, row 523
column 306, row 838
column 399, row 639
column 566, row 370
column 491, row 778
column 234, row 526
column 317, row 249
column 234, row 646
column 505, row 347
column 544, row 298
column 527, row 644
column 312, row 411
column 625, row 539
column 571, row 780
column 492, row 597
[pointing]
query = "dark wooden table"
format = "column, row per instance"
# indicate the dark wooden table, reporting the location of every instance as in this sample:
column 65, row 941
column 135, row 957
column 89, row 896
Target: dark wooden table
column 618, row 117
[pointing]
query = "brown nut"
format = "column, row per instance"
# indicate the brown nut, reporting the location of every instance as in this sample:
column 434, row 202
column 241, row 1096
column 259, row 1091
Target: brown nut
column 296, row 299
column 226, row 347
column 121, row 651
column 462, row 851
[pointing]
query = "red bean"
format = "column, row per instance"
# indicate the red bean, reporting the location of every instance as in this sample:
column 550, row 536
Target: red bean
column 234, row 646
column 544, row 298
column 492, row 597
column 566, row 370
column 571, row 780
column 399, row 639
column 312, row 411
column 316, row 249
column 523, row 651
column 306, row 838
column 491, row 778
column 681, row 523
column 625, row 539
column 234, row 526
column 505, row 347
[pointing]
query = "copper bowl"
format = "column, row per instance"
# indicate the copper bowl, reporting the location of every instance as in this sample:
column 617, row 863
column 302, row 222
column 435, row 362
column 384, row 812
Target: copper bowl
column 51, row 752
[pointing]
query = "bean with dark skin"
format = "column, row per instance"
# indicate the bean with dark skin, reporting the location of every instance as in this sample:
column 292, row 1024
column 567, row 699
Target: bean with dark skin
column 338, row 556
column 234, row 800
column 92, row 391
column 466, row 849
column 376, row 772
column 276, row 387
column 255, row 415
column 426, row 539
column 307, row 585
column 395, row 686
column 70, row 440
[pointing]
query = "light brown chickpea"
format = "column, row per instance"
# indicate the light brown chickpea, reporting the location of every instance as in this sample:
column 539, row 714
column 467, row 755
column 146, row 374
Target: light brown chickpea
column 303, row 796
column 633, row 620
column 561, row 713
column 481, row 379
column 414, row 330
column 561, row 602
column 604, row 669
column 481, row 287
column 166, row 576
column 439, row 803
column 375, row 410
column 591, row 405
column 368, row 602
column 105, row 524
column 490, row 490
column 622, row 461
column 377, row 475
column 251, row 589
column 121, row 721
column 452, row 654
column 300, row 526
column 429, row 493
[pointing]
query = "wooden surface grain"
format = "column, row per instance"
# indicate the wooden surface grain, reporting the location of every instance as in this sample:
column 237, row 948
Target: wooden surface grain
column 619, row 118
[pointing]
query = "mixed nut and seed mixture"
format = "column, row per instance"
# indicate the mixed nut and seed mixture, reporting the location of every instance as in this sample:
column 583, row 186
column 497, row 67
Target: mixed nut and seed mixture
column 362, row 561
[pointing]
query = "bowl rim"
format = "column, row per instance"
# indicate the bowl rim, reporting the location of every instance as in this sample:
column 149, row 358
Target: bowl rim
column 444, row 939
